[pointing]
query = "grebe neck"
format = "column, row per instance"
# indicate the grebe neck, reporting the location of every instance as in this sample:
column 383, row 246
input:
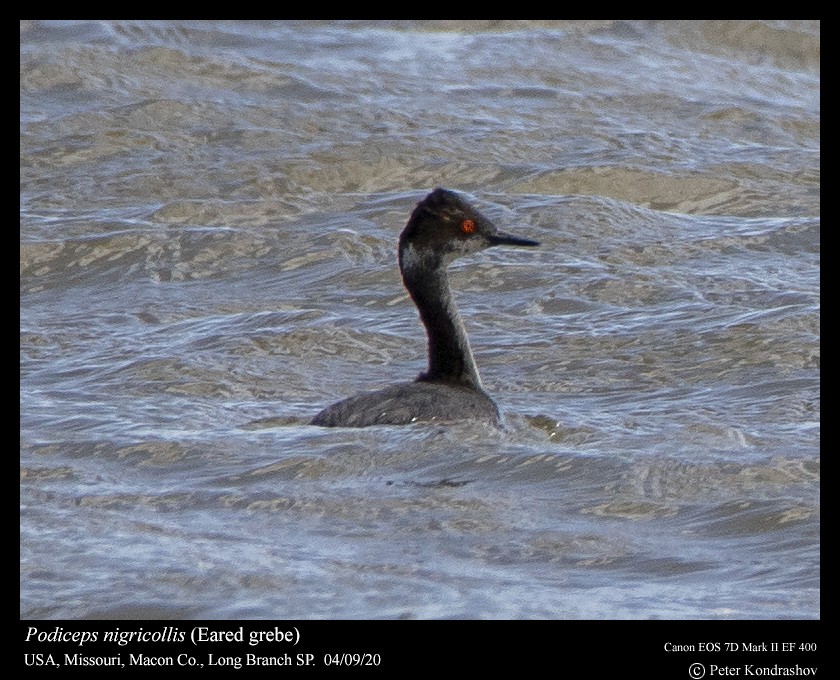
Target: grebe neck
column 450, row 356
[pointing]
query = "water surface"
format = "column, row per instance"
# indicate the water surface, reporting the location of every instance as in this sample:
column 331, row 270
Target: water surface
column 209, row 216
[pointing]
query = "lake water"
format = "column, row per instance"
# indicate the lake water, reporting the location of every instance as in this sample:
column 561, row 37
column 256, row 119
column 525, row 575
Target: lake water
column 208, row 222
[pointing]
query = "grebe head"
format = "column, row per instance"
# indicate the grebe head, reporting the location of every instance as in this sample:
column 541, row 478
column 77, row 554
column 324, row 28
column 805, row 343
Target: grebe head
column 444, row 227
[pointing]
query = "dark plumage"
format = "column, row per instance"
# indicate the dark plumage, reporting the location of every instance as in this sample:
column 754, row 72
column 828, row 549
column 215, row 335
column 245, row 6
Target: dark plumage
column 442, row 228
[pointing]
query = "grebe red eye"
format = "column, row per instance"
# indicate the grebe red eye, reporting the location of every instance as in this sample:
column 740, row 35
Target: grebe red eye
column 468, row 226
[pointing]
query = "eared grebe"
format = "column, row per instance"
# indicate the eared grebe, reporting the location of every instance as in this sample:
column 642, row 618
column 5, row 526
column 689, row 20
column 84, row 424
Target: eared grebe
column 442, row 227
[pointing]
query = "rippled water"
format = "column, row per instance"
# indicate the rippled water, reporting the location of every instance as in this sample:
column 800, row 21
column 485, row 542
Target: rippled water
column 209, row 215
